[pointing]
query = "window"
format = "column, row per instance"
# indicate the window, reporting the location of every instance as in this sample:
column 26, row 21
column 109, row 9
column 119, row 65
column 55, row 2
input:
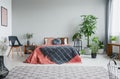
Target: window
column 115, row 29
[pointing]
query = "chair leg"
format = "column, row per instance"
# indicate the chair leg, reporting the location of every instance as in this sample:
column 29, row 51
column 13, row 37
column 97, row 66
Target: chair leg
column 21, row 51
column 12, row 53
column 9, row 51
column 17, row 50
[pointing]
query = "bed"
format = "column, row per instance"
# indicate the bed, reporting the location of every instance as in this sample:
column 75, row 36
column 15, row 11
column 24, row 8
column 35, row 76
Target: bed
column 57, row 53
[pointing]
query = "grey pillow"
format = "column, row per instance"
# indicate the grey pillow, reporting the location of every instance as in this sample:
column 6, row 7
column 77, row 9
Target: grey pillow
column 56, row 41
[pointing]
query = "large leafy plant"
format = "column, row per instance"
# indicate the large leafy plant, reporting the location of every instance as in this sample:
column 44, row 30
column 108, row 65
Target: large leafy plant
column 88, row 26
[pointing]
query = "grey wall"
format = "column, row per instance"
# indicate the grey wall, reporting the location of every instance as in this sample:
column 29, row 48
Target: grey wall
column 55, row 18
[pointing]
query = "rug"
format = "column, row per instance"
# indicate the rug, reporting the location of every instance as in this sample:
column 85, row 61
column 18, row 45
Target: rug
column 58, row 72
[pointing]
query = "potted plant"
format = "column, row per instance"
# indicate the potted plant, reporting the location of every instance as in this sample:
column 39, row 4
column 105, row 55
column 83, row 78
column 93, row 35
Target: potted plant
column 94, row 50
column 77, row 40
column 99, row 43
column 28, row 37
column 100, row 47
column 77, row 36
column 113, row 39
column 88, row 28
column 94, row 47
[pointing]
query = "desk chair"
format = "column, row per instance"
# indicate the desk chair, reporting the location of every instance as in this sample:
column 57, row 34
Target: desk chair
column 14, row 43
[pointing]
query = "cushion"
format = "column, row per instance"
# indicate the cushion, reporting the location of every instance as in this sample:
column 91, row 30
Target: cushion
column 64, row 40
column 48, row 41
column 56, row 41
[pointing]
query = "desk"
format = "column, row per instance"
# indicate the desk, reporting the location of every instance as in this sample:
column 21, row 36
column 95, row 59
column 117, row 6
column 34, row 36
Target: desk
column 109, row 49
column 29, row 48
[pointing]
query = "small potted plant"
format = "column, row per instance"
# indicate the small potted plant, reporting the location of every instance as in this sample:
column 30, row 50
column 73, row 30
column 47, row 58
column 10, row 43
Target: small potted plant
column 94, row 47
column 77, row 40
column 101, row 47
column 113, row 39
column 94, row 50
column 77, row 36
column 28, row 37
column 99, row 43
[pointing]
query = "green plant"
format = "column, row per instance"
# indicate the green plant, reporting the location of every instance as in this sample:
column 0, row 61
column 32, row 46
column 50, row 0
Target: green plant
column 88, row 26
column 82, row 51
column 113, row 38
column 94, row 48
column 100, row 45
column 98, row 42
column 29, row 35
column 77, row 36
column 95, row 40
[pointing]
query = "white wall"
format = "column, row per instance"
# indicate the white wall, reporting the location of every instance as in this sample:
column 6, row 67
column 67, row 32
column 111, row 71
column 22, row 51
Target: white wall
column 6, row 31
column 55, row 18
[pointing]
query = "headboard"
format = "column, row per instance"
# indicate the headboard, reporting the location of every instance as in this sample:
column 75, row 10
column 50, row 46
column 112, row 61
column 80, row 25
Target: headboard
column 48, row 40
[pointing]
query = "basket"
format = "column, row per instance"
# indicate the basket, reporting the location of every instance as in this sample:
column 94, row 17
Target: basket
column 113, row 69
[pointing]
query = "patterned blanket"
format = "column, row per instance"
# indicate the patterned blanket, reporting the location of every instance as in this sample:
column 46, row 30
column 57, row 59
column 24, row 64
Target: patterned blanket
column 59, row 54
column 58, row 72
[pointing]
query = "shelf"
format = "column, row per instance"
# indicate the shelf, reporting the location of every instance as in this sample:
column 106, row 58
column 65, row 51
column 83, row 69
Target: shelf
column 78, row 44
column 29, row 48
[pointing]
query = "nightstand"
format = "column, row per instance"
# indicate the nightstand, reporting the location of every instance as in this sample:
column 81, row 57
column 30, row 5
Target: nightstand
column 29, row 48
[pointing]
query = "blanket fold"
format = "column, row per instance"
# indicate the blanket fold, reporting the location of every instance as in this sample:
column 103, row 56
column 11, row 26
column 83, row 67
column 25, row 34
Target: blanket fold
column 59, row 54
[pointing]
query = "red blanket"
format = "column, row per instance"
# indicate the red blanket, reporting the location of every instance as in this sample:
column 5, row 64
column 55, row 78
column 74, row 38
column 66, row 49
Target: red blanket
column 38, row 58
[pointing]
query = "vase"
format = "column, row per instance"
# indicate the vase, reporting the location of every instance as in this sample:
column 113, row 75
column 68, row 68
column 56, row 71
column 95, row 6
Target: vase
column 100, row 51
column 28, row 42
column 3, row 70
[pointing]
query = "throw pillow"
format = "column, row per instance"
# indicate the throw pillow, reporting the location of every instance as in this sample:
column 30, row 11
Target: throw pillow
column 56, row 41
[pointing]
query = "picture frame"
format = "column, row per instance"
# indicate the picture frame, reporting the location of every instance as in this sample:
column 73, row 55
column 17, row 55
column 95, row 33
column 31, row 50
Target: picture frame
column 4, row 16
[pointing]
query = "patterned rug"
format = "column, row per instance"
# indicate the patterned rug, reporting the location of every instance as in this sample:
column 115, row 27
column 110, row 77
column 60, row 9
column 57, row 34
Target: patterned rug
column 58, row 72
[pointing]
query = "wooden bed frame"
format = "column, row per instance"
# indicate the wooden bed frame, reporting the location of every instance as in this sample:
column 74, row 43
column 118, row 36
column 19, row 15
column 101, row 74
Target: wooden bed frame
column 48, row 40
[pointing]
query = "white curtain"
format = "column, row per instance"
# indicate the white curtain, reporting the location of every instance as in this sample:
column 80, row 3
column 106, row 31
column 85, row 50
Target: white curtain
column 115, row 20
column 109, row 20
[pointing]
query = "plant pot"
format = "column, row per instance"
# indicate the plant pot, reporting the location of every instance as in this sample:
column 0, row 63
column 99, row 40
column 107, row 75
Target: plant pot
column 28, row 42
column 100, row 51
column 113, row 42
column 93, row 55
column 87, row 51
column 3, row 70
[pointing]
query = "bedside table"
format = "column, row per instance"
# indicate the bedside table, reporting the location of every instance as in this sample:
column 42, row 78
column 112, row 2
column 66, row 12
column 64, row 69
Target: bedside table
column 28, row 49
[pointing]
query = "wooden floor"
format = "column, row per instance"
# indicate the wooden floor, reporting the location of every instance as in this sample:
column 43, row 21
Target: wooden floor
column 101, row 60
